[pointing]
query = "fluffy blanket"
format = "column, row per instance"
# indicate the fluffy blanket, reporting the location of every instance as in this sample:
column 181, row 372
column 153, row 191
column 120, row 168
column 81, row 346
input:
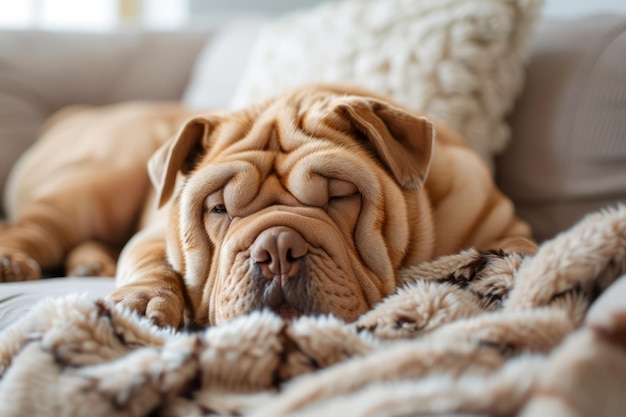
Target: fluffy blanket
column 478, row 332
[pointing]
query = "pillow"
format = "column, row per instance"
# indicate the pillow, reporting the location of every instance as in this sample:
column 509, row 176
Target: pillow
column 459, row 61
column 221, row 64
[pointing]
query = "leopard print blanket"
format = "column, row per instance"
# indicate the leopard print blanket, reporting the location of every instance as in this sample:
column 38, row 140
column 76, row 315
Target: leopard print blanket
column 481, row 332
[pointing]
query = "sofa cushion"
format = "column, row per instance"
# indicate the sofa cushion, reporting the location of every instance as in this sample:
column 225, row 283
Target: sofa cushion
column 17, row 298
column 460, row 61
column 40, row 72
column 568, row 153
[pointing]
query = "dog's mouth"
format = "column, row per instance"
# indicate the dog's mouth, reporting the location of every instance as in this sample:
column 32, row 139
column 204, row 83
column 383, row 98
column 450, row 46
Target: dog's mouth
column 287, row 312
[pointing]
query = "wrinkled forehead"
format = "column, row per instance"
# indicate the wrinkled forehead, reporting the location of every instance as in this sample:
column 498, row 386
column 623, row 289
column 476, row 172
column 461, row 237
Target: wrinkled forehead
column 284, row 124
column 289, row 139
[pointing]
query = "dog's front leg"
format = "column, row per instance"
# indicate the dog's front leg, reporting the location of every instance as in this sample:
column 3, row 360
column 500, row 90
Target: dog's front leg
column 147, row 283
column 35, row 239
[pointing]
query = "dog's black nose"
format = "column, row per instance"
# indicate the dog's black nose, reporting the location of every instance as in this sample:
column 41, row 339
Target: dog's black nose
column 277, row 252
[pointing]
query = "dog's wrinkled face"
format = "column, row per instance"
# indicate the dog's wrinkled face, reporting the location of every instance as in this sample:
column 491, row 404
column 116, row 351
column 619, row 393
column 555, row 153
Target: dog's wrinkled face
column 297, row 205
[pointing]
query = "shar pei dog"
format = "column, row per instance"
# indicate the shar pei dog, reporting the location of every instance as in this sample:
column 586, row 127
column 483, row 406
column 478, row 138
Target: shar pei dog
column 305, row 204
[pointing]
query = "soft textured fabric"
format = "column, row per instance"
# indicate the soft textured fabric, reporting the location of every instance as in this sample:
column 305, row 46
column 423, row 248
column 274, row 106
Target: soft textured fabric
column 460, row 61
column 477, row 332
column 40, row 72
column 568, row 153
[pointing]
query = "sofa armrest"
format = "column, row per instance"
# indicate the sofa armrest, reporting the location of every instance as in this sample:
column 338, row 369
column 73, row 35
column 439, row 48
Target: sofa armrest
column 567, row 156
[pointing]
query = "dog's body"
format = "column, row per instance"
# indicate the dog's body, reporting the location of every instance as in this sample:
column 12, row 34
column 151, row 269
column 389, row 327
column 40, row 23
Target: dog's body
column 306, row 204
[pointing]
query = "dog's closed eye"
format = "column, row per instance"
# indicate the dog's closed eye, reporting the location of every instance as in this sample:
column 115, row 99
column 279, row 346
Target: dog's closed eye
column 338, row 189
column 219, row 209
column 341, row 194
column 214, row 203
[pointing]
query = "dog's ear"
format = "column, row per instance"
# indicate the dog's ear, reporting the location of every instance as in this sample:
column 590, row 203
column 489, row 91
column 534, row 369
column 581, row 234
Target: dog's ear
column 403, row 141
column 178, row 155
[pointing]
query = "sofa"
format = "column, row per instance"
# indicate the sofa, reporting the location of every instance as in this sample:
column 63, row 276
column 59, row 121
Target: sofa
column 566, row 157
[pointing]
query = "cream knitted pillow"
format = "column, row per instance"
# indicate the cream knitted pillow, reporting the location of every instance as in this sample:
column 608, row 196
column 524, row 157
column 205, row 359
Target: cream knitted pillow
column 460, row 61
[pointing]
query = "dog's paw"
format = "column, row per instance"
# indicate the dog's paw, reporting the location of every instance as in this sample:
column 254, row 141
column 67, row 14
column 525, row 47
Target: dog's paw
column 91, row 269
column 90, row 259
column 17, row 266
column 163, row 307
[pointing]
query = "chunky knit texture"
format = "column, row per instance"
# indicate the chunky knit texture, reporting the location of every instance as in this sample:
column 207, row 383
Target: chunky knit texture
column 459, row 61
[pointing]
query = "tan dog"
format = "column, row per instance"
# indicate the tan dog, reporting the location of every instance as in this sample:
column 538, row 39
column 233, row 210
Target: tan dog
column 306, row 204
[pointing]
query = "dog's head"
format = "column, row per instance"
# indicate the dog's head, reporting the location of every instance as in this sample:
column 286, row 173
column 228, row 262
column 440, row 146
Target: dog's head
column 297, row 205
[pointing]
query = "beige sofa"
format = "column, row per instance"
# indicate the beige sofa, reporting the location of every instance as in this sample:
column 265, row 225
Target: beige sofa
column 567, row 156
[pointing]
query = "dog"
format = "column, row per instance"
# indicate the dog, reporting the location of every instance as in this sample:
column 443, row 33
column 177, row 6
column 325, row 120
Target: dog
column 305, row 204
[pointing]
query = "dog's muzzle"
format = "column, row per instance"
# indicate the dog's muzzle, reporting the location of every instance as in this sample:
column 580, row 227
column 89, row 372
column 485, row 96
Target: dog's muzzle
column 279, row 256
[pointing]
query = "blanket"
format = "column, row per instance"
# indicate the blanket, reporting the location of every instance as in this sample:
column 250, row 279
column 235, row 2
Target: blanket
column 481, row 332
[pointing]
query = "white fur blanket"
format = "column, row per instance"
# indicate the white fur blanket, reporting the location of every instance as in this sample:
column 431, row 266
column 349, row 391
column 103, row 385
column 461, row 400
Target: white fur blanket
column 477, row 332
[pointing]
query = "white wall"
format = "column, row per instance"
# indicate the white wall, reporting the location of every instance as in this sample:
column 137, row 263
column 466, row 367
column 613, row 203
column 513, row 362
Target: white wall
column 92, row 15
column 554, row 8
column 103, row 14
column 575, row 8
column 259, row 6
